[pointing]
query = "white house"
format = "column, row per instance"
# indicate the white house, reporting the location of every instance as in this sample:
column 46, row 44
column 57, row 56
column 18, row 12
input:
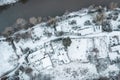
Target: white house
column 39, row 60
column 62, row 56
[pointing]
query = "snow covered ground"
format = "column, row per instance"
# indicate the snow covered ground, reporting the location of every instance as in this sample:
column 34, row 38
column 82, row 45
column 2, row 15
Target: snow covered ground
column 5, row 2
column 73, row 47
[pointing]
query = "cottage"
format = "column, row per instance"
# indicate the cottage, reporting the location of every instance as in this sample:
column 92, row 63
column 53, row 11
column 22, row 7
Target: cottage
column 39, row 60
column 62, row 56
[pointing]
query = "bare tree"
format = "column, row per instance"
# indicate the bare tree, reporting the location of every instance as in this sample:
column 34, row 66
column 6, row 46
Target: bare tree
column 99, row 18
column 113, row 5
column 8, row 31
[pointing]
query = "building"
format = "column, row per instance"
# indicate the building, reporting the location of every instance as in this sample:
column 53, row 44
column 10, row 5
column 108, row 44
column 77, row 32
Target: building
column 39, row 60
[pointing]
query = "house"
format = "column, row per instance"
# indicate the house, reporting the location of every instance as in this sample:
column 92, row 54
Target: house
column 39, row 60
column 62, row 56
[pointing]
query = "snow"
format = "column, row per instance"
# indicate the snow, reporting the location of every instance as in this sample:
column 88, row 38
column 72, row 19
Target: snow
column 113, row 56
column 46, row 62
column 115, row 48
column 74, row 71
column 112, row 70
column 77, row 49
column 49, row 52
column 6, row 52
column 5, row 2
column 36, row 56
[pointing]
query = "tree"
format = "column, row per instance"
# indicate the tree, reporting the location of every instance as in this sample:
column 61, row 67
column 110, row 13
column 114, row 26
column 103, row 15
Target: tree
column 99, row 18
column 106, row 26
column 28, row 70
column 52, row 22
column 8, row 31
column 113, row 5
column 66, row 42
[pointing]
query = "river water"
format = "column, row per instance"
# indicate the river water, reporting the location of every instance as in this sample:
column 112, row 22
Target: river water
column 43, row 8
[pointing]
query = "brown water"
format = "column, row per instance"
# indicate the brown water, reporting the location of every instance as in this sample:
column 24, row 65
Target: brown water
column 29, row 8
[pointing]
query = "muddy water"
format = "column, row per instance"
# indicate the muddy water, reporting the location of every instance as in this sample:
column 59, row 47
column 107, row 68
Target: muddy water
column 29, row 8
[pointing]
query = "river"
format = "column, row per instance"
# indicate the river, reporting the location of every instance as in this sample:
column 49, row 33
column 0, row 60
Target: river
column 43, row 8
